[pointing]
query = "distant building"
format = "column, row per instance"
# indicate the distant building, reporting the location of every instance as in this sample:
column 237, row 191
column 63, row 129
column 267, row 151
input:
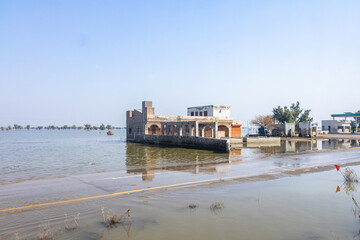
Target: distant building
column 209, row 110
column 284, row 129
column 334, row 126
column 308, row 129
column 343, row 125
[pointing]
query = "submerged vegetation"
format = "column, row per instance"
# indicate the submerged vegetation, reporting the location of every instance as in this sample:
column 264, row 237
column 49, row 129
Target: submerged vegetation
column 110, row 219
column 65, row 127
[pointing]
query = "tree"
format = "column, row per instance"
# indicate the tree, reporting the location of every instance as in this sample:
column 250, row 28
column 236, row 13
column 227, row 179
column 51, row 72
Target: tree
column 109, row 127
column 27, row 127
column 39, row 128
column 294, row 114
column 102, row 127
column 265, row 121
column 2, row 128
column 73, row 127
column 9, row 128
column 16, row 126
column 87, row 126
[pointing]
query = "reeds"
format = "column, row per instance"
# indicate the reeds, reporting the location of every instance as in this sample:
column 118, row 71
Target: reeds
column 72, row 225
column 111, row 220
column 45, row 232
column 217, row 207
column 350, row 175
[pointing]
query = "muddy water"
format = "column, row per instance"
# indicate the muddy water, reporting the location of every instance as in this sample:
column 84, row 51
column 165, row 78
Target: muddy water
column 49, row 166
column 301, row 207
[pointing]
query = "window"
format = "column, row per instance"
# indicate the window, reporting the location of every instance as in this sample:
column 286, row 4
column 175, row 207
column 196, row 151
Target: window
column 205, row 113
column 196, row 113
column 340, row 127
column 200, row 113
column 192, row 113
column 129, row 130
column 347, row 127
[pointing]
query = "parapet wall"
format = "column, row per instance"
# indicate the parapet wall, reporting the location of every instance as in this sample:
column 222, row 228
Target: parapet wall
column 222, row 145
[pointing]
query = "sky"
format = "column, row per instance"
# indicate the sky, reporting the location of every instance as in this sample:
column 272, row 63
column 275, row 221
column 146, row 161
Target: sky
column 76, row 62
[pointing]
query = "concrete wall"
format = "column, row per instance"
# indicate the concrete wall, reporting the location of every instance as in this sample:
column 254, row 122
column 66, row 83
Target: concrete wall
column 336, row 126
column 222, row 145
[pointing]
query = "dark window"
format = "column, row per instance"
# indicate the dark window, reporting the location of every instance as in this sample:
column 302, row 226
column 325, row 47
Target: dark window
column 196, row 113
column 129, row 130
column 205, row 113
column 347, row 127
column 192, row 113
column 200, row 113
column 340, row 127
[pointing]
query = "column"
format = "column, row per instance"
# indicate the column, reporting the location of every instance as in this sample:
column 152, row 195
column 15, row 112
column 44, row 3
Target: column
column 216, row 125
column 190, row 130
column 183, row 126
column 172, row 130
column 162, row 129
column 167, row 129
column 178, row 129
column 196, row 129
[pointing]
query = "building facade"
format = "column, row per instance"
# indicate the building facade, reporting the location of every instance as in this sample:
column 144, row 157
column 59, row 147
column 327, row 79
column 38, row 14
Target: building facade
column 209, row 111
column 335, row 126
column 144, row 121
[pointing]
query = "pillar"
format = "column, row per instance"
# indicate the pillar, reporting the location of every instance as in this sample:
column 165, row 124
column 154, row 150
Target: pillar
column 196, row 129
column 172, row 130
column 162, row 129
column 216, row 126
column 183, row 129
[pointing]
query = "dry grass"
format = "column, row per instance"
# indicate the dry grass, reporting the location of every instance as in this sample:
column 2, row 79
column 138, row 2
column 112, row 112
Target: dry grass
column 193, row 206
column 45, row 232
column 72, row 225
column 111, row 220
column 217, row 207
column 350, row 175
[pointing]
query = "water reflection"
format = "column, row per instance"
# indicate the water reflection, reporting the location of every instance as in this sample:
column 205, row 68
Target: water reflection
column 310, row 145
column 147, row 159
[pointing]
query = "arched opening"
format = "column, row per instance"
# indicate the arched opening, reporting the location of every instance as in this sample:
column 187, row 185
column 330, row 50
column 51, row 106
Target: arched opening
column 154, row 130
column 208, row 132
column 223, row 131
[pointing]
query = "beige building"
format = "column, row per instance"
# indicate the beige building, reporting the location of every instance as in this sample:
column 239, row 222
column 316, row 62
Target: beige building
column 144, row 121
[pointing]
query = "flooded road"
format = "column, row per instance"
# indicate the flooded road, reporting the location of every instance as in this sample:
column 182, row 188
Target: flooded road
column 263, row 193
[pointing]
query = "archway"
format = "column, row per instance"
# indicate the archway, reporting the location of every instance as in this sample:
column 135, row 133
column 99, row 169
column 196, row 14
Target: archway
column 208, row 131
column 154, row 130
column 223, row 131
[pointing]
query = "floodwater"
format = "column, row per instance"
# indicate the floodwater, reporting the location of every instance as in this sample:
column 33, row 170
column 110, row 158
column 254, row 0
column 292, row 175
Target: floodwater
column 263, row 193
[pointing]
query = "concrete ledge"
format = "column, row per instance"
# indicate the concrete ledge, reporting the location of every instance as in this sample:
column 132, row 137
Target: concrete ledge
column 221, row 145
column 262, row 140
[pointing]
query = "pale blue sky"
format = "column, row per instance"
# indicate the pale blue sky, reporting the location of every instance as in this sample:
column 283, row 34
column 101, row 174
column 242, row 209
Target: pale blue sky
column 76, row 62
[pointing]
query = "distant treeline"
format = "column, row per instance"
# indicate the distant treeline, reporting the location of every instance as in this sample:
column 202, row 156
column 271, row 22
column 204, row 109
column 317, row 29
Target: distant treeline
column 53, row 127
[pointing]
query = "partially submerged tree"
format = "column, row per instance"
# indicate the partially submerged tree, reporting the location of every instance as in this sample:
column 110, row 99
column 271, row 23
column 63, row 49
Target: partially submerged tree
column 265, row 121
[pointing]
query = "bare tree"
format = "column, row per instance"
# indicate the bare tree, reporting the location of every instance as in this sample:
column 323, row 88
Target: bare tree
column 265, row 121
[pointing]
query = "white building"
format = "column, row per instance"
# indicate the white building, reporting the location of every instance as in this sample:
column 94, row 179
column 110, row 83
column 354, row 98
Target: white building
column 334, row 126
column 209, row 111
column 308, row 129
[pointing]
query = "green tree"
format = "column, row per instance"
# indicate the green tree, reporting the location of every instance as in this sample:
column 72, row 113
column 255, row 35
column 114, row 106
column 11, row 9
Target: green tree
column 102, row 127
column 294, row 114
column 87, row 126
column 16, row 126
column 9, row 128
column 73, row 127
column 39, row 128
column 2, row 128
column 27, row 127
column 108, row 127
